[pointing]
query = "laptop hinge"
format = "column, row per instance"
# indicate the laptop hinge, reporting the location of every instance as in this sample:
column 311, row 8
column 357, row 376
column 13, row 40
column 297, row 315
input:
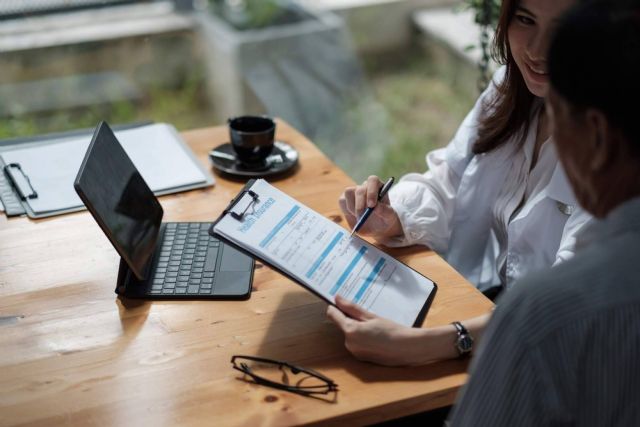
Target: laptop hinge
column 121, row 283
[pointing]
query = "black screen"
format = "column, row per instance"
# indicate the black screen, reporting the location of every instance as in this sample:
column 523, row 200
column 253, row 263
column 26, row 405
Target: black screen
column 119, row 199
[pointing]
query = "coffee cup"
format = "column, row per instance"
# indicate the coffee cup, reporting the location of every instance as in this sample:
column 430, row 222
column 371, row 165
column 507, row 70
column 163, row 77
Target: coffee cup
column 252, row 139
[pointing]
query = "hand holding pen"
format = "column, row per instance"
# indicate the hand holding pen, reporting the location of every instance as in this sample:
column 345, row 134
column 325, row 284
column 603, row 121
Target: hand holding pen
column 369, row 205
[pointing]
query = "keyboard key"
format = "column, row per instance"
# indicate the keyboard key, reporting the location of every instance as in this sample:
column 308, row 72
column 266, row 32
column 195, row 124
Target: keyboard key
column 193, row 289
column 207, row 280
column 181, row 290
column 204, row 285
column 207, row 274
column 167, row 291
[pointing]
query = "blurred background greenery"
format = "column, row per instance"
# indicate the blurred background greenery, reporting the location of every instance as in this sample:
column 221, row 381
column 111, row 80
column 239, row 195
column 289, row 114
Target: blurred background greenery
column 422, row 90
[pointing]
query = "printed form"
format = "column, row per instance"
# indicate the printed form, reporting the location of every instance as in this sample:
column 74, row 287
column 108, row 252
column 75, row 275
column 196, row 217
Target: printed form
column 322, row 256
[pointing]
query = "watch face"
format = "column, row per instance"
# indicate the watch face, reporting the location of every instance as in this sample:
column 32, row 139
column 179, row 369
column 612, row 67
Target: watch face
column 465, row 344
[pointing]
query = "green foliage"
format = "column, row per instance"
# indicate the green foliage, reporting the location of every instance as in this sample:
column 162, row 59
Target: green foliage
column 487, row 15
column 486, row 12
column 184, row 106
column 426, row 93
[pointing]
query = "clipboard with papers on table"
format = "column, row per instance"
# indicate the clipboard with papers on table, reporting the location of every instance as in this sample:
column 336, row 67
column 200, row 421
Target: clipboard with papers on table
column 36, row 176
column 319, row 254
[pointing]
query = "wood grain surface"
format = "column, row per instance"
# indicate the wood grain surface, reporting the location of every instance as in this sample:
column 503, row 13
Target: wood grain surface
column 72, row 353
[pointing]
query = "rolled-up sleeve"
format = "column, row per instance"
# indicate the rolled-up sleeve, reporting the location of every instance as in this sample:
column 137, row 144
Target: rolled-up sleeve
column 424, row 204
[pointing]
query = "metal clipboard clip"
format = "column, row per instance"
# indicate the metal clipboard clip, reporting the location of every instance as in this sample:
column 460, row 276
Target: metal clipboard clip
column 20, row 181
column 242, row 205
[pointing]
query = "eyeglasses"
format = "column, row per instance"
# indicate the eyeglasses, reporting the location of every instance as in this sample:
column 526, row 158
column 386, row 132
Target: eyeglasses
column 277, row 374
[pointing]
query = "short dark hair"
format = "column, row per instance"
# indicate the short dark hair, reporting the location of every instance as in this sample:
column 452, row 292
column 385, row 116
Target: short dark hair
column 594, row 61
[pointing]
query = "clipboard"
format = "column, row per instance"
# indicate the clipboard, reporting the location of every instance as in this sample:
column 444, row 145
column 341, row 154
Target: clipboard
column 237, row 211
column 20, row 194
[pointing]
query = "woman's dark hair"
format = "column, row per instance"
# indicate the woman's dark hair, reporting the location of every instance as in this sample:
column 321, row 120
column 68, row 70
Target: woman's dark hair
column 509, row 112
column 594, row 62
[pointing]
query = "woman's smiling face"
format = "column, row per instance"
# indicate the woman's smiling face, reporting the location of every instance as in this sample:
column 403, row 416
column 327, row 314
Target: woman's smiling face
column 529, row 33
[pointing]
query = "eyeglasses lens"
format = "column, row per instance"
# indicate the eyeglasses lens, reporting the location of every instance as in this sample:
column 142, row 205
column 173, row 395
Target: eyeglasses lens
column 284, row 375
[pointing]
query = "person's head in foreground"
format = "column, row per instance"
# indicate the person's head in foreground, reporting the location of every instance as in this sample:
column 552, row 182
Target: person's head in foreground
column 594, row 101
column 569, row 355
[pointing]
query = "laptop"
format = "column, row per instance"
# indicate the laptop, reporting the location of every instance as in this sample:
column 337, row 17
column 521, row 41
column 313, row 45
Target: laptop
column 172, row 260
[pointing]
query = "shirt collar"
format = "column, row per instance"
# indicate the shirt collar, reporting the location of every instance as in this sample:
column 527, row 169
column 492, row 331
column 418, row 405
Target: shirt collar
column 559, row 188
column 623, row 218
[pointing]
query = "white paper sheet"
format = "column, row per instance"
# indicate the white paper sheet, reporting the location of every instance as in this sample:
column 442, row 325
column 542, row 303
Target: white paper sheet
column 320, row 254
column 156, row 150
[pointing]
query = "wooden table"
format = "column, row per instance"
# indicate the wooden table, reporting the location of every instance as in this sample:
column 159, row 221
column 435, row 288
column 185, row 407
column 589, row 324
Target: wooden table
column 72, row 353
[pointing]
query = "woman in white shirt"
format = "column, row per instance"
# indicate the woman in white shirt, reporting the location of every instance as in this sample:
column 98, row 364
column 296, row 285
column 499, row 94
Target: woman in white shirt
column 495, row 202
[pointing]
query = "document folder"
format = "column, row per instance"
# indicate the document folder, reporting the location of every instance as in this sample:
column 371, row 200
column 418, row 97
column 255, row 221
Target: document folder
column 319, row 254
column 41, row 172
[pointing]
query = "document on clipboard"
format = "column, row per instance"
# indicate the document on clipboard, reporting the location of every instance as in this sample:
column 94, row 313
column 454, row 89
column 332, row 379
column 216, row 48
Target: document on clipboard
column 41, row 172
column 321, row 256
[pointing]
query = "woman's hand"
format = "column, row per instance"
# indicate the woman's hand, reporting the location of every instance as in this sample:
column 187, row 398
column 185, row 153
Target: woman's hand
column 383, row 221
column 374, row 339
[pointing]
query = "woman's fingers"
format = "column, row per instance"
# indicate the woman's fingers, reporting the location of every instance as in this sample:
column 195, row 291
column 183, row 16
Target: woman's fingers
column 353, row 310
column 349, row 197
column 337, row 317
column 351, row 219
column 373, row 185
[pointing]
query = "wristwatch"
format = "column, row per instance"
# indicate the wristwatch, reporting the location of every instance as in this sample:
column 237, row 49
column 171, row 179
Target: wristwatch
column 464, row 341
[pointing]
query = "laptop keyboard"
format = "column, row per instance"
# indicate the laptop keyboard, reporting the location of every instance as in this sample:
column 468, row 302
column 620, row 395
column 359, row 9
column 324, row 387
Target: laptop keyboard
column 187, row 261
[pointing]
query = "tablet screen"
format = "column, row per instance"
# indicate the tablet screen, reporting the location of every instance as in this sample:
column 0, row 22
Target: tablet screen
column 119, row 199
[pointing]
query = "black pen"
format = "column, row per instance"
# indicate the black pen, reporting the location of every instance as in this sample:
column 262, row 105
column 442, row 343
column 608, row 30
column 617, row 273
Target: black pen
column 383, row 192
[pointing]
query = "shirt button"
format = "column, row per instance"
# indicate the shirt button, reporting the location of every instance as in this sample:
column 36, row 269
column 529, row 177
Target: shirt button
column 414, row 235
column 565, row 209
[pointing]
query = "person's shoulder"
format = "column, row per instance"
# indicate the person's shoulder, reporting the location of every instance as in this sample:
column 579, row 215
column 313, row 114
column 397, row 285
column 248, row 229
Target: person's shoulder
column 599, row 278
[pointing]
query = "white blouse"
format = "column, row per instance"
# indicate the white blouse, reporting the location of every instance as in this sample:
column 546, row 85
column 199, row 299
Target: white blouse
column 491, row 216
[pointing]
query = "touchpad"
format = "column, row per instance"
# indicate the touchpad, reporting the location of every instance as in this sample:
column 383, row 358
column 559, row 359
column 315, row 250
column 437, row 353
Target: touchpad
column 234, row 260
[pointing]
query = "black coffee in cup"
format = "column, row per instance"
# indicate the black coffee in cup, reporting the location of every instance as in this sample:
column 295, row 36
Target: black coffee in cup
column 252, row 138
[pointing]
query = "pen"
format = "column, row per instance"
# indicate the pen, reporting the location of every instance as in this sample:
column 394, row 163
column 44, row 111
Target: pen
column 383, row 192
